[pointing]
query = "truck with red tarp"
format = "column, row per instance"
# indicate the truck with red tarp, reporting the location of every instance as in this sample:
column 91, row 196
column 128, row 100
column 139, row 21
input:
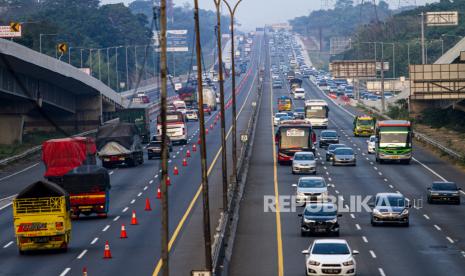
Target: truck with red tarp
column 70, row 163
column 188, row 94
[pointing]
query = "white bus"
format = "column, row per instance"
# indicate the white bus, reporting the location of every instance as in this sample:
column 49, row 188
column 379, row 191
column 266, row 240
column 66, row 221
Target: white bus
column 316, row 111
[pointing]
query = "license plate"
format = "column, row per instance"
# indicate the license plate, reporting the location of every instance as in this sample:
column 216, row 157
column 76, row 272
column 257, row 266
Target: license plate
column 320, row 230
column 85, row 208
column 395, row 157
column 41, row 239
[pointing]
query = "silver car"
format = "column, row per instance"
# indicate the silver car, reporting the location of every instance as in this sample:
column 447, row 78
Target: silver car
column 311, row 189
column 344, row 156
column 304, row 162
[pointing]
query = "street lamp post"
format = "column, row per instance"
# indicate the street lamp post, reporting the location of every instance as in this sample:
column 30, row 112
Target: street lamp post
column 127, row 69
column 232, row 11
column 108, row 66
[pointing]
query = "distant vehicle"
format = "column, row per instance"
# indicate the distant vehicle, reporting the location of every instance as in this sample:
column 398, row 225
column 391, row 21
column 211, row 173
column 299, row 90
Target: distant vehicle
column 371, row 144
column 180, row 106
column 284, row 103
column 218, row 98
column 192, row 115
column 138, row 116
column 344, row 156
column 330, row 256
column 176, row 127
column 277, row 83
column 154, row 148
column 304, row 162
column 209, row 98
column 328, row 137
column 311, row 189
column 330, row 150
column 317, row 111
column 318, row 218
column 299, row 113
column 394, row 141
column 372, row 97
column 207, row 109
column 42, row 217
column 447, row 192
column 364, row 125
column 294, row 136
column 188, row 95
column 299, row 93
column 294, row 84
column 277, row 116
column 119, row 144
column 390, row 208
column 388, row 95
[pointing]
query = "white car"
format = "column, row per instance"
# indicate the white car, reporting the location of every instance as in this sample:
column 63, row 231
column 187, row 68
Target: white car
column 299, row 93
column 277, row 117
column 371, row 144
column 311, row 189
column 191, row 115
column 304, row 162
column 330, row 257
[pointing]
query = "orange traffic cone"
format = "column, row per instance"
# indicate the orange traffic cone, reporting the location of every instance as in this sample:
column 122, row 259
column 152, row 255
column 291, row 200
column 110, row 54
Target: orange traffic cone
column 134, row 218
column 159, row 192
column 194, row 148
column 84, row 271
column 175, row 170
column 123, row 234
column 107, row 252
column 168, row 181
column 206, row 131
column 188, row 153
column 147, row 205
column 211, row 126
column 184, row 162
column 198, row 142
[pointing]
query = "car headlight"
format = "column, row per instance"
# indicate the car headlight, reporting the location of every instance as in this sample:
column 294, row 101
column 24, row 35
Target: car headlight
column 300, row 194
column 313, row 263
column 435, row 194
column 404, row 212
column 308, row 220
column 351, row 262
column 376, row 212
column 334, row 220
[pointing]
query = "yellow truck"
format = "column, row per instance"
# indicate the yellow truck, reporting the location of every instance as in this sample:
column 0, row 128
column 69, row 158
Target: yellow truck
column 42, row 217
column 364, row 125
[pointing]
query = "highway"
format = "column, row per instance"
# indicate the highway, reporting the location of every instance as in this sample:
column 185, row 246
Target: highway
column 269, row 243
column 140, row 253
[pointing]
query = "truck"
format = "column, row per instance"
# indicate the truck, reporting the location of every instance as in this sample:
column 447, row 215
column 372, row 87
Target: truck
column 140, row 117
column 294, row 84
column 188, row 95
column 209, row 97
column 119, row 144
column 364, row 125
column 41, row 217
column 393, row 141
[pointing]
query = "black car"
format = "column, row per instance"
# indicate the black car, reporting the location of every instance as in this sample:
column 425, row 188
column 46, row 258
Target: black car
column 444, row 192
column 319, row 218
column 299, row 113
column 328, row 137
column 330, row 150
column 154, row 148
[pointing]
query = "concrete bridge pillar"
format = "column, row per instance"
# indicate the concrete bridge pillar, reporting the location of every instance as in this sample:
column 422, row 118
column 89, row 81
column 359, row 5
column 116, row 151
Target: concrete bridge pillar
column 89, row 110
column 11, row 126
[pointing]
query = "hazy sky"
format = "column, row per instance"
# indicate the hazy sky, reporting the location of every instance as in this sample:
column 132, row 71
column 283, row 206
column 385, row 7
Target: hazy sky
column 252, row 13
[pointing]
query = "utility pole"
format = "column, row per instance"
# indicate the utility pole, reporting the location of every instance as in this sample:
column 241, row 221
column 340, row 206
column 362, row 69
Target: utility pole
column 203, row 150
column 116, row 68
column 108, row 66
column 383, row 106
column 232, row 11
column 127, row 70
column 99, row 71
column 164, row 140
column 423, row 38
column 224, row 164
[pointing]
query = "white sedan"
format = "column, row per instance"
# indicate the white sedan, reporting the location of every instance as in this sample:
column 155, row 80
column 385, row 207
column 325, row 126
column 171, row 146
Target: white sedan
column 277, row 117
column 330, row 257
column 371, row 144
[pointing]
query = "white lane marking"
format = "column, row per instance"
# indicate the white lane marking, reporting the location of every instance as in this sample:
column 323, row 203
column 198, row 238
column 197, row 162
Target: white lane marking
column 322, row 163
column 429, row 169
column 437, row 227
column 329, row 178
column 325, row 167
column 363, row 153
column 82, row 254
column 106, row 228
column 381, row 271
column 111, row 172
column 139, row 194
column 132, row 201
column 372, row 253
column 159, row 170
column 390, row 186
column 337, row 192
column 375, row 168
column 327, row 173
column 364, row 239
column 358, row 226
column 177, row 152
column 145, row 188
column 169, row 161
column 380, row 173
column 156, row 176
column 65, row 271
column 449, row 239
column 367, row 158
column 94, row 241
column 151, row 181
column 8, row 244
column 352, row 216
column 4, row 206
column 385, row 180
column 18, row 172
column 398, row 192
column 116, row 218
column 125, row 209
column 426, row 216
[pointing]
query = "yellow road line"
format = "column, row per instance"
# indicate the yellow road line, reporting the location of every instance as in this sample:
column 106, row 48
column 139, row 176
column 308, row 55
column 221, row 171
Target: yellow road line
column 279, row 239
column 199, row 190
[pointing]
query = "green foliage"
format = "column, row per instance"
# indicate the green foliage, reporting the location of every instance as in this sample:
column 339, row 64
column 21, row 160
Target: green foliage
column 449, row 118
column 399, row 110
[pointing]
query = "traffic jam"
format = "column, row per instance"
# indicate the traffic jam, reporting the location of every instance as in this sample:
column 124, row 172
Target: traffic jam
column 308, row 142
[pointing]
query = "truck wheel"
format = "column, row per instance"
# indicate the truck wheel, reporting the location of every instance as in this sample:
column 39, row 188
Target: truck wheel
column 21, row 252
column 106, row 165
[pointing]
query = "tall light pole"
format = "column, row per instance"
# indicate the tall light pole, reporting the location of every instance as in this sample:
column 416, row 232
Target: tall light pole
column 224, row 164
column 203, row 150
column 232, row 11
column 40, row 40
column 127, row 69
column 108, row 66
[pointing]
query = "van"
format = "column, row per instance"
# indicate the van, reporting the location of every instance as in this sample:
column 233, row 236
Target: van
column 299, row 93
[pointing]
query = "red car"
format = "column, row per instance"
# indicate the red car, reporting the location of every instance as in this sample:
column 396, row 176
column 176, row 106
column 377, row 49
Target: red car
column 207, row 109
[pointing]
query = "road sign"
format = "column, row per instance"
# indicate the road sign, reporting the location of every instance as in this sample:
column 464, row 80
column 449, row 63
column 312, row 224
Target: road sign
column 6, row 31
column 353, row 68
column 385, row 66
column 244, row 137
column 176, row 41
column 446, row 18
column 62, row 48
column 15, row 27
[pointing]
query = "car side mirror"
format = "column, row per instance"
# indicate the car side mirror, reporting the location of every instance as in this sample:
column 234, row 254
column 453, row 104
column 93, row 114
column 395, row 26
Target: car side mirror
column 372, row 205
column 339, row 215
column 299, row 215
column 459, row 189
column 409, row 205
column 429, row 188
column 294, row 185
column 355, row 252
column 305, row 252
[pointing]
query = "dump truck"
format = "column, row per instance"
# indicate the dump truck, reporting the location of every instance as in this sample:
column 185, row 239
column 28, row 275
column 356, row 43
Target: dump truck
column 42, row 219
column 119, row 144
column 138, row 115
column 188, row 95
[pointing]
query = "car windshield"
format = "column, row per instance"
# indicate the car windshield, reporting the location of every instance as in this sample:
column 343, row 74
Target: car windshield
column 312, row 183
column 332, row 147
column 390, row 201
column 320, row 210
column 329, row 134
column 306, row 156
column 365, row 122
column 279, row 115
column 299, row 109
column 330, row 248
column 444, row 186
column 343, row 151
column 155, row 144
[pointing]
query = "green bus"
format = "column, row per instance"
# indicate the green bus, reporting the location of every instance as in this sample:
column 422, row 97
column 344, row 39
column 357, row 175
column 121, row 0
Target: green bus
column 394, row 141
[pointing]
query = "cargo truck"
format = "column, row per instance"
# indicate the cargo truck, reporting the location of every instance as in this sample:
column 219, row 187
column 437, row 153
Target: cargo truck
column 209, row 97
column 138, row 116
column 188, row 95
column 41, row 217
column 119, row 144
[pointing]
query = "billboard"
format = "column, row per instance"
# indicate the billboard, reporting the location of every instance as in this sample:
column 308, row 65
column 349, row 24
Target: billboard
column 176, row 40
column 437, row 81
column 8, row 31
column 339, row 44
column 446, row 18
column 353, row 68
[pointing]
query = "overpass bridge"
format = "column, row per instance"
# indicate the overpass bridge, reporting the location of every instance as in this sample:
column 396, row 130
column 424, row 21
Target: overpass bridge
column 41, row 93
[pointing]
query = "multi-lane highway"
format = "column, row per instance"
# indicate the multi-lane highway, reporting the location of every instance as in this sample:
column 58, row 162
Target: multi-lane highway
column 269, row 243
column 139, row 254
